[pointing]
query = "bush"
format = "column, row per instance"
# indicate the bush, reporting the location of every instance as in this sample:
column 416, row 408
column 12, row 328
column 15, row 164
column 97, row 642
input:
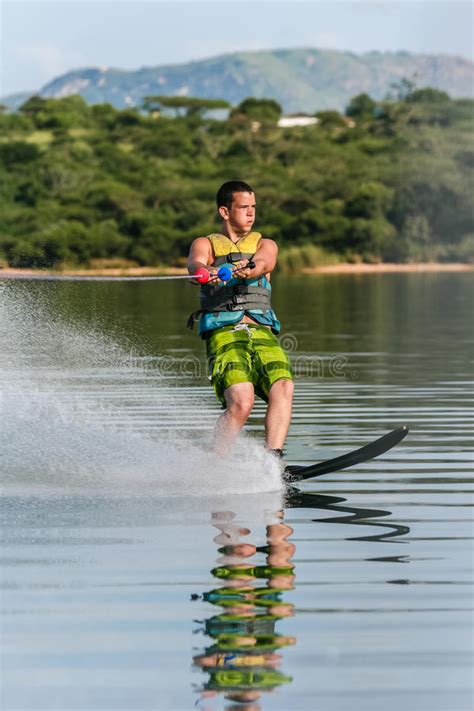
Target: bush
column 112, row 198
column 25, row 255
column 57, row 113
column 17, row 152
column 319, row 227
column 65, row 241
column 308, row 256
column 370, row 200
column 361, row 106
column 372, row 236
column 107, row 241
column 428, row 95
column 262, row 110
column 330, row 119
column 464, row 250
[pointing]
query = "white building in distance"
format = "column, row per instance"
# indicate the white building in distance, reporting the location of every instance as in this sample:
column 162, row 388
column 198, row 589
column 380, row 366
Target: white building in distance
column 297, row 120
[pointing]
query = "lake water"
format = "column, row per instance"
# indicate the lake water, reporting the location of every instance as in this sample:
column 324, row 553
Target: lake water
column 142, row 572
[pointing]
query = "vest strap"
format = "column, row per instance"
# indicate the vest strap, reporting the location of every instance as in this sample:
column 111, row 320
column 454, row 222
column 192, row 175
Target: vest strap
column 232, row 257
column 192, row 318
column 238, row 297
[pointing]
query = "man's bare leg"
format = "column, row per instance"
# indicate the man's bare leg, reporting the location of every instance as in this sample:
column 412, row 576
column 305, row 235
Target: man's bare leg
column 239, row 398
column 277, row 419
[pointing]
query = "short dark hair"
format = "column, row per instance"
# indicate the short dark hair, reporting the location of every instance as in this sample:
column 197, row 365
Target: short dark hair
column 226, row 192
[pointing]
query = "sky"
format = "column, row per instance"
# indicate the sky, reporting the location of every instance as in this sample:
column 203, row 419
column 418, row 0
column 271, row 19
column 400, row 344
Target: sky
column 42, row 39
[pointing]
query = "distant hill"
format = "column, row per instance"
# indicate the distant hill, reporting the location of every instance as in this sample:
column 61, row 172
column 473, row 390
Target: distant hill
column 13, row 101
column 300, row 79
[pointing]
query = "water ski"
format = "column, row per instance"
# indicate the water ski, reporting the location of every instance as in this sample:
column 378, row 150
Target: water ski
column 294, row 473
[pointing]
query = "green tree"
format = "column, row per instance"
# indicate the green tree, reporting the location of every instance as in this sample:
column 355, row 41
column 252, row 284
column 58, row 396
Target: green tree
column 169, row 139
column 29, row 192
column 17, row 153
column 111, row 198
column 104, row 116
column 33, row 106
column 262, row 110
column 24, row 254
column 57, row 113
column 370, row 200
column 361, row 106
column 427, row 95
column 330, row 119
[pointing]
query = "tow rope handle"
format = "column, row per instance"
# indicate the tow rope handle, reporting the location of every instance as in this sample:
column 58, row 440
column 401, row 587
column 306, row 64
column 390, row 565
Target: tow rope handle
column 224, row 274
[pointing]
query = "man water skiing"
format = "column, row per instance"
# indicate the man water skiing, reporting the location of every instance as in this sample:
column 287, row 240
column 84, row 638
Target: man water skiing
column 238, row 323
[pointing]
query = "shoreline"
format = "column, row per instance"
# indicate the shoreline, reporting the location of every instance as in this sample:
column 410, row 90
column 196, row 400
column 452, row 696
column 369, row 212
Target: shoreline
column 338, row 268
column 389, row 268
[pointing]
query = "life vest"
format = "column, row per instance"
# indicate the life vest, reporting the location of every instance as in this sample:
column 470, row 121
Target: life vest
column 227, row 305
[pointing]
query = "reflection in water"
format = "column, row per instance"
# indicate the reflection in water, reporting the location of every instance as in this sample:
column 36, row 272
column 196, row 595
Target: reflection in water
column 243, row 662
column 355, row 516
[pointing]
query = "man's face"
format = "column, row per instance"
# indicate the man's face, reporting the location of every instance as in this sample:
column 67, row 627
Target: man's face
column 242, row 212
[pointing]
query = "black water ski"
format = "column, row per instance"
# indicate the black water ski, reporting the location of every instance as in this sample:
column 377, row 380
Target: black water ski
column 295, row 473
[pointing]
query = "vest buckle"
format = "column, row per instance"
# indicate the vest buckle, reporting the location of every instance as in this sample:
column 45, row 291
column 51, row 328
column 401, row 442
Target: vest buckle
column 233, row 257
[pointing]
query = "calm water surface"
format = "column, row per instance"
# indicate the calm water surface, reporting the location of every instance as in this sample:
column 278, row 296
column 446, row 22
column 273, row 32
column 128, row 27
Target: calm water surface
column 140, row 572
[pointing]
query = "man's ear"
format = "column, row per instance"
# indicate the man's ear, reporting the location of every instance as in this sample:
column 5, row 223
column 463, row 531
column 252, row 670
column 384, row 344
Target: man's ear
column 224, row 212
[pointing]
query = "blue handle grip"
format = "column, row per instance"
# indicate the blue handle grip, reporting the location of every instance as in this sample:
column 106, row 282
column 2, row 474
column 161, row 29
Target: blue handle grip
column 225, row 273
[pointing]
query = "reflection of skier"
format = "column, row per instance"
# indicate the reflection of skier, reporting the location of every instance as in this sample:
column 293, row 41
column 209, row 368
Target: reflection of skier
column 239, row 685
column 242, row 662
column 238, row 659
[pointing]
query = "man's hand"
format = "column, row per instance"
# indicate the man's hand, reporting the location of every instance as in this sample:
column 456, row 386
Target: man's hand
column 264, row 260
column 242, row 270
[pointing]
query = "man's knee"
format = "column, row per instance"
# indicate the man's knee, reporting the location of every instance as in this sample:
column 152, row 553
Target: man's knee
column 240, row 408
column 282, row 389
column 240, row 402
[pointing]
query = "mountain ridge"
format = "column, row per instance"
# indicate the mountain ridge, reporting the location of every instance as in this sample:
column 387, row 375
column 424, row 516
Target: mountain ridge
column 302, row 79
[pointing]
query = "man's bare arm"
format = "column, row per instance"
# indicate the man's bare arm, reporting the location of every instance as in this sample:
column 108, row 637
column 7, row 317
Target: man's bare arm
column 200, row 255
column 265, row 260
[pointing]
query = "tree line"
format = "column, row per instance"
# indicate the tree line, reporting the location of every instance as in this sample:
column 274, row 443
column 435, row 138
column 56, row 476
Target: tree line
column 385, row 181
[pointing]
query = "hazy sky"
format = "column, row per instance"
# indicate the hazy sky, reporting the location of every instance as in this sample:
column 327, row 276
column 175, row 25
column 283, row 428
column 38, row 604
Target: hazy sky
column 42, row 39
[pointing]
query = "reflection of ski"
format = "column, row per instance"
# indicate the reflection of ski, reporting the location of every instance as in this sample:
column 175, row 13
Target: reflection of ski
column 294, row 473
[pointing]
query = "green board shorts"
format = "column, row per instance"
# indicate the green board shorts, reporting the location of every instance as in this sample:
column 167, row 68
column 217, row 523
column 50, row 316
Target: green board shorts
column 246, row 355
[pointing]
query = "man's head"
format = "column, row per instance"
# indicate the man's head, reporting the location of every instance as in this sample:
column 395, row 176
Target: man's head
column 236, row 205
column 225, row 194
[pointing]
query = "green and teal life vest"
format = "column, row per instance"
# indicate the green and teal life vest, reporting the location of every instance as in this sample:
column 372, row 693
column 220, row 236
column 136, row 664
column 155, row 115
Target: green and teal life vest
column 227, row 305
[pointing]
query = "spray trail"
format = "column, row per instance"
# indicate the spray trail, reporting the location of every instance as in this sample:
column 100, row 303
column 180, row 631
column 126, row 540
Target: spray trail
column 79, row 415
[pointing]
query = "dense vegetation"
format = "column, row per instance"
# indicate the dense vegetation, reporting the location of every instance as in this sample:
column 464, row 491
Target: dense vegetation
column 389, row 181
